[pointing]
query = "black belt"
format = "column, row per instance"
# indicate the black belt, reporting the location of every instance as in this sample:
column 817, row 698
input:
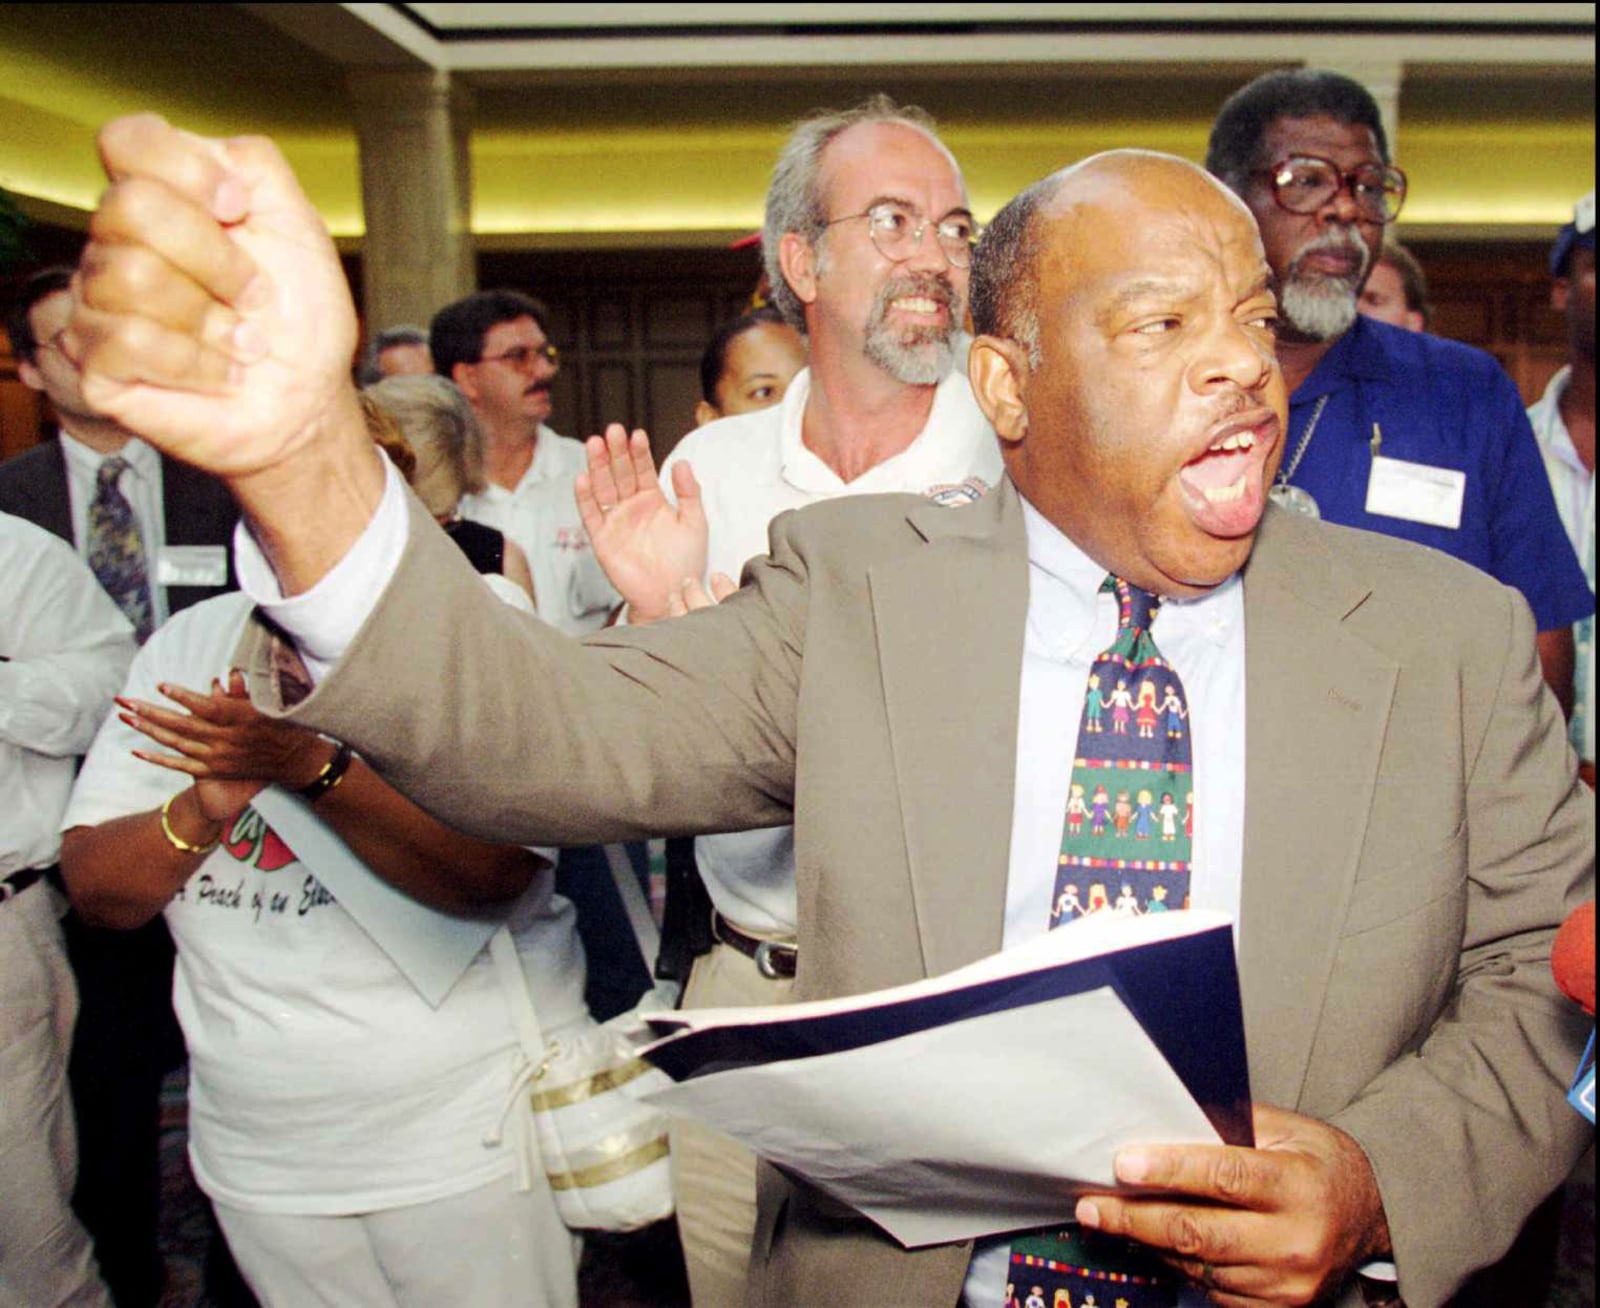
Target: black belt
column 17, row 882
column 775, row 959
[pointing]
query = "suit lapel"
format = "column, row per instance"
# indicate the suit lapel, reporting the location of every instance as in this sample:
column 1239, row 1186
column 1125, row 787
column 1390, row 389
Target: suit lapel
column 1308, row 790
column 51, row 497
column 949, row 619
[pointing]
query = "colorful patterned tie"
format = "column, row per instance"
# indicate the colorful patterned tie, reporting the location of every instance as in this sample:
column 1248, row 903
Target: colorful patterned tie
column 1125, row 848
column 116, row 549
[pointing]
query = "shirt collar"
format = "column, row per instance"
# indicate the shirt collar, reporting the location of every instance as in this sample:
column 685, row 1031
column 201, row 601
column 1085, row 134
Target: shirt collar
column 540, row 468
column 142, row 459
column 544, row 464
column 1062, row 609
column 1356, row 356
column 1063, row 589
column 803, row 470
column 1551, row 431
column 801, row 467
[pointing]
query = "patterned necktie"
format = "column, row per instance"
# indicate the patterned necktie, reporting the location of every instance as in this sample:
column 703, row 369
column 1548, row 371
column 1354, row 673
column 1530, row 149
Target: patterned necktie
column 116, row 549
column 1125, row 848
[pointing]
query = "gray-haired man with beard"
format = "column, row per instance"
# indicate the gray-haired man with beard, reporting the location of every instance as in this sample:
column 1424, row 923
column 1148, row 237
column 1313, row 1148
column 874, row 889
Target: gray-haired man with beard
column 1393, row 431
column 867, row 242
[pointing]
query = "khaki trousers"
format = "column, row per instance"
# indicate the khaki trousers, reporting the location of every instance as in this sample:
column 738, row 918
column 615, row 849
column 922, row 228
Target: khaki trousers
column 45, row 1258
column 714, row 1179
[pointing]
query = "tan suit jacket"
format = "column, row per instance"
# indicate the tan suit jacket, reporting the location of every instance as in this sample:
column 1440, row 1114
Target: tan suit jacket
column 1414, row 830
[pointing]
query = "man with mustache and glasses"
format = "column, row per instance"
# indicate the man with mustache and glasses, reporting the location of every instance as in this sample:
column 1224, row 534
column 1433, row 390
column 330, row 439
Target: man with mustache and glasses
column 867, row 242
column 1392, row 431
column 493, row 345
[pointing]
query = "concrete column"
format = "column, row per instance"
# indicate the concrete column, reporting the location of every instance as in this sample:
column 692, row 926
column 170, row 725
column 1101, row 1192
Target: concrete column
column 416, row 192
column 1382, row 77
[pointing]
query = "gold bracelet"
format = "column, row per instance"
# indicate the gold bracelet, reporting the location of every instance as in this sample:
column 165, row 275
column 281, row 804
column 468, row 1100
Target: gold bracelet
column 177, row 841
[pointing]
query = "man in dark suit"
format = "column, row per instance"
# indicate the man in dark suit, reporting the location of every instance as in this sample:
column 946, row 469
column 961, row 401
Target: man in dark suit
column 52, row 484
column 126, row 1038
column 1389, row 803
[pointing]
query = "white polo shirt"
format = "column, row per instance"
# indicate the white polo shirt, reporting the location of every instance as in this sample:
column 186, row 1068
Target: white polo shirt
column 570, row 590
column 754, row 466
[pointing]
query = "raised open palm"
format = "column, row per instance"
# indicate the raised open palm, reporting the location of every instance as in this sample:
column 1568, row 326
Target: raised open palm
column 647, row 545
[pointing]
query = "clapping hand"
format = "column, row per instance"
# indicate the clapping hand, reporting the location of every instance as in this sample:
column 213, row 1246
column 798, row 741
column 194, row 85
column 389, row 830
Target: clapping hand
column 232, row 751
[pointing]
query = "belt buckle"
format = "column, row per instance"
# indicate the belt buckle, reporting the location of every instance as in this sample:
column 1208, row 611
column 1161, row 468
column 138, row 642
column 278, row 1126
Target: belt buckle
column 766, row 959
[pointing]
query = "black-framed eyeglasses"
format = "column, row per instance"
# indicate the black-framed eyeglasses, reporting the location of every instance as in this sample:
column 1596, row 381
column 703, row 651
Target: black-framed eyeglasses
column 521, row 357
column 896, row 232
column 1303, row 183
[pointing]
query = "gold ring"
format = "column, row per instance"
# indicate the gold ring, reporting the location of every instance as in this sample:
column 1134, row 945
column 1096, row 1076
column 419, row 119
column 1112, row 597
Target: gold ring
column 1208, row 1276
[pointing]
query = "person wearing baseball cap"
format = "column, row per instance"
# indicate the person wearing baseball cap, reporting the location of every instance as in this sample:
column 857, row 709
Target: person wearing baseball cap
column 1563, row 422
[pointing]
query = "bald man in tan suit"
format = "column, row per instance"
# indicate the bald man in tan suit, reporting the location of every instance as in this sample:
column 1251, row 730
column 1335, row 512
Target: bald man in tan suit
column 1412, row 830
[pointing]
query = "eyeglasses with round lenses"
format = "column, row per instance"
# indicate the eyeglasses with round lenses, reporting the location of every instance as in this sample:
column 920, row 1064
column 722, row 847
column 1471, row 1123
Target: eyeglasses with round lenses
column 521, row 357
column 896, row 232
column 1303, row 183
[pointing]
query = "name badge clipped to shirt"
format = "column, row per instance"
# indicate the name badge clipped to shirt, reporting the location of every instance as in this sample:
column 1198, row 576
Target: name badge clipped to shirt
column 192, row 565
column 1417, row 492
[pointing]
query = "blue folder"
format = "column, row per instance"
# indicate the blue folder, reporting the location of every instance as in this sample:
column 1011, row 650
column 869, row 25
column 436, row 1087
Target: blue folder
column 1184, row 993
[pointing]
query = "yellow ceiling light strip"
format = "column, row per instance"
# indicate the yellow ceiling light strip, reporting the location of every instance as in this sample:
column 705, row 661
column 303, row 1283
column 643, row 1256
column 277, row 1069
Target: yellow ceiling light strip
column 588, row 181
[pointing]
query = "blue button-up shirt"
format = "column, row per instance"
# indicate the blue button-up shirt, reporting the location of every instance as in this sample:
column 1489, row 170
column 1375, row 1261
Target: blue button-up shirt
column 1447, row 405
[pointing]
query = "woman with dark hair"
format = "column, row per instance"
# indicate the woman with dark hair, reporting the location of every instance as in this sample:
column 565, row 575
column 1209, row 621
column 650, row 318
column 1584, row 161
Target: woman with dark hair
column 748, row 365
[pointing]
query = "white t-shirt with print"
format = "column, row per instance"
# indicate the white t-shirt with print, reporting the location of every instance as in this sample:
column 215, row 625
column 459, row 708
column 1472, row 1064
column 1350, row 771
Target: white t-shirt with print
column 320, row 1082
column 754, row 466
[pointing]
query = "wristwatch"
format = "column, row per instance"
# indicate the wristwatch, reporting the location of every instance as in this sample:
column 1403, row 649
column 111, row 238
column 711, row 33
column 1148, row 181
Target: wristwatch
column 331, row 775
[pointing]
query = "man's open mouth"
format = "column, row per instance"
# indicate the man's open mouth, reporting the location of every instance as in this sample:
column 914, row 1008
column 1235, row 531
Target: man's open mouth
column 1224, row 482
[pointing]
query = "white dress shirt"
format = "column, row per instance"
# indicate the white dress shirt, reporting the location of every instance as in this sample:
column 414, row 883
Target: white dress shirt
column 64, row 648
column 140, row 483
column 1069, row 624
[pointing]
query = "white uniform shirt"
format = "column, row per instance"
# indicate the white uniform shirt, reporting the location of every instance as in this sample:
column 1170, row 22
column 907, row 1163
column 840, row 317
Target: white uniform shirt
column 140, row 483
column 754, row 466
column 1573, row 485
column 64, row 649
column 570, row 590
column 321, row 1082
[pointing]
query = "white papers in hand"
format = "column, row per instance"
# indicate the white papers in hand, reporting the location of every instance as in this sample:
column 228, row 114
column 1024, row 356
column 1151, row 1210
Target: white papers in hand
column 965, row 1128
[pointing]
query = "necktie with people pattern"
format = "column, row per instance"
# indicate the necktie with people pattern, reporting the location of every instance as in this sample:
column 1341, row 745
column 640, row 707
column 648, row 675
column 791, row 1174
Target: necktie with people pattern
column 1125, row 848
